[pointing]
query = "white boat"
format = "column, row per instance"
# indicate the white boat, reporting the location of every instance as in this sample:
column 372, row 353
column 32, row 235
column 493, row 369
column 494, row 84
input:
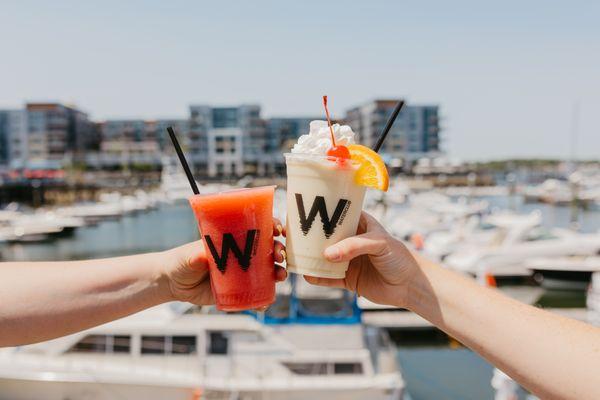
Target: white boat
column 67, row 224
column 174, row 185
column 28, row 233
column 513, row 246
column 92, row 212
column 579, row 186
column 476, row 231
column 40, row 226
column 162, row 353
column 593, row 299
column 430, row 212
column 552, row 191
column 571, row 273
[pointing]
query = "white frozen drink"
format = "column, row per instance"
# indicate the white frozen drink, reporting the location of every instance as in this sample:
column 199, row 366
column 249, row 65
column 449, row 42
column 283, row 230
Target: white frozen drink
column 323, row 202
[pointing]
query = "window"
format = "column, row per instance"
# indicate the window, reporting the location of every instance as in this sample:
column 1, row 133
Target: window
column 225, row 144
column 153, row 344
column 540, row 234
column 102, row 344
column 183, row 345
column 225, row 117
column 168, row 345
column 321, row 368
column 307, row 368
column 344, row 368
column 90, row 344
column 218, row 343
column 121, row 344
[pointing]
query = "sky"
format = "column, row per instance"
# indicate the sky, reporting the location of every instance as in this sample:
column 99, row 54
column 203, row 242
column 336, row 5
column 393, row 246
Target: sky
column 511, row 78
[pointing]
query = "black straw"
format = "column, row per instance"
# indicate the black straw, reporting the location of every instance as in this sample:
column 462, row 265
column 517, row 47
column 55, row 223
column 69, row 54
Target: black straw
column 183, row 161
column 388, row 126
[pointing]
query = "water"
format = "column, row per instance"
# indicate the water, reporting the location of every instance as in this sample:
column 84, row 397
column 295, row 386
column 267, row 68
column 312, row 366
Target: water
column 430, row 372
column 552, row 216
column 443, row 373
column 161, row 229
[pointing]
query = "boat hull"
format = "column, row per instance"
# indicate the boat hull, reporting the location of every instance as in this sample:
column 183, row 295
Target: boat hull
column 17, row 389
column 563, row 280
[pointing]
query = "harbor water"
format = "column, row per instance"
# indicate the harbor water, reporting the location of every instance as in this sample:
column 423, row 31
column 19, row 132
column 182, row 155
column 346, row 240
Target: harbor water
column 431, row 370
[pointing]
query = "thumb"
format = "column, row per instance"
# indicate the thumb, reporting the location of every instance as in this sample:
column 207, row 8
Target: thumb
column 368, row 243
column 193, row 255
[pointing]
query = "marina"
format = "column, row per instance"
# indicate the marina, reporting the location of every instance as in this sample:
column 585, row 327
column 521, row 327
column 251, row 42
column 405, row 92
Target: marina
column 186, row 187
column 124, row 224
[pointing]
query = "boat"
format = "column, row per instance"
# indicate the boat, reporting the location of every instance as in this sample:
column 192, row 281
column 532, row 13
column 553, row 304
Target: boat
column 66, row 224
column 28, row 233
column 431, row 211
column 303, row 348
column 566, row 273
column 593, row 299
column 511, row 245
column 174, row 185
column 476, row 231
column 92, row 212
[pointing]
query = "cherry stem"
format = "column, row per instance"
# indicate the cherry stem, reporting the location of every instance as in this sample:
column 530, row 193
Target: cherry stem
column 329, row 121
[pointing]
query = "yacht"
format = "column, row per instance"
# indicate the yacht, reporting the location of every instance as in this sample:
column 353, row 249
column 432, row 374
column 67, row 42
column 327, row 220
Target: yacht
column 92, row 212
column 174, row 185
column 431, row 212
column 478, row 231
column 310, row 348
column 513, row 244
column 567, row 273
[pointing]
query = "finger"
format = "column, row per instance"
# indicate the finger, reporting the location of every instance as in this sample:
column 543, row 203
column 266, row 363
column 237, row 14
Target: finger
column 279, row 251
column 280, row 273
column 362, row 223
column 369, row 243
column 204, row 295
column 368, row 223
column 277, row 227
column 261, row 309
column 195, row 256
column 329, row 282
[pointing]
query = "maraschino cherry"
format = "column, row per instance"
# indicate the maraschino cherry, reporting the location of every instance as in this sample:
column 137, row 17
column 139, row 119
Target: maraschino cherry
column 336, row 151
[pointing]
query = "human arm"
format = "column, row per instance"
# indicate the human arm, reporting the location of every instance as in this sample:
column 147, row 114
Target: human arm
column 552, row 356
column 44, row 300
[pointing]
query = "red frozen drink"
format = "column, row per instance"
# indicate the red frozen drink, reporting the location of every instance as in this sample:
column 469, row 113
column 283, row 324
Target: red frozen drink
column 237, row 231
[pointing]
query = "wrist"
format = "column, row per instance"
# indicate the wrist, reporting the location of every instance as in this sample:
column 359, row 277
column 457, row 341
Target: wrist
column 417, row 286
column 414, row 284
column 159, row 263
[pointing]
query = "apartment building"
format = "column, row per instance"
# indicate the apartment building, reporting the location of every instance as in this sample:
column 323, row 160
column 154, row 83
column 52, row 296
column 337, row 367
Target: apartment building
column 414, row 135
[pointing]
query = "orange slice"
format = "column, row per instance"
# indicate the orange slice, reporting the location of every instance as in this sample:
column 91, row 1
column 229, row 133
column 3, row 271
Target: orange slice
column 372, row 171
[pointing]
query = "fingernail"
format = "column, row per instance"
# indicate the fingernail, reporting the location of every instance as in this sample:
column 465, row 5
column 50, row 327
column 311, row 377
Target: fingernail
column 283, row 254
column 333, row 253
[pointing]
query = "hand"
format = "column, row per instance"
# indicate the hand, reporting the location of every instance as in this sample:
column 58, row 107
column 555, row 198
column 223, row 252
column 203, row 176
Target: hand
column 185, row 270
column 381, row 267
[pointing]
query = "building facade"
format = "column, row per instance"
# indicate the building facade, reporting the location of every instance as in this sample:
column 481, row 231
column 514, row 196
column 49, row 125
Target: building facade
column 220, row 142
column 227, row 141
column 13, row 137
column 56, row 132
column 414, row 135
column 282, row 134
column 136, row 142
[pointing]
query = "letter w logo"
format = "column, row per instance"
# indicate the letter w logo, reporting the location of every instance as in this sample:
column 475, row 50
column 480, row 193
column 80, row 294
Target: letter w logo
column 228, row 243
column 320, row 207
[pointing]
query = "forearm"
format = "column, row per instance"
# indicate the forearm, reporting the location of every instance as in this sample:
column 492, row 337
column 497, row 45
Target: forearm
column 552, row 356
column 41, row 301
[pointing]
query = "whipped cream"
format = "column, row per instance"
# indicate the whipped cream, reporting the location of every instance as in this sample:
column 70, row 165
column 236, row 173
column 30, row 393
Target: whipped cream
column 318, row 140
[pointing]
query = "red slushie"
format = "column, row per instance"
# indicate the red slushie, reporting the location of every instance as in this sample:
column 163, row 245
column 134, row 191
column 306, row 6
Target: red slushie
column 237, row 231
